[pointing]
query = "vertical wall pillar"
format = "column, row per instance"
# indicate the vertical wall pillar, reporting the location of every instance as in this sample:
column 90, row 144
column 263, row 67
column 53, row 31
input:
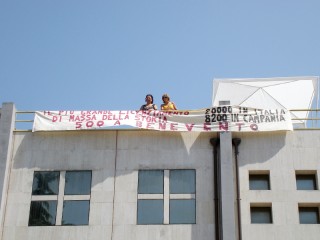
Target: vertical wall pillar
column 7, row 123
column 229, row 228
column 228, row 211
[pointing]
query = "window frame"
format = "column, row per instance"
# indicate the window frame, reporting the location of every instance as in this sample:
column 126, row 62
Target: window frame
column 303, row 175
column 310, row 207
column 60, row 198
column 264, row 208
column 264, row 175
column 167, row 196
column 87, row 213
column 32, row 208
column 141, row 221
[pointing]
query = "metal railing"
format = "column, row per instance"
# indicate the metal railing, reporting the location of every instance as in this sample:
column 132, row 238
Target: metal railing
column 312, row 122
column 24, row 120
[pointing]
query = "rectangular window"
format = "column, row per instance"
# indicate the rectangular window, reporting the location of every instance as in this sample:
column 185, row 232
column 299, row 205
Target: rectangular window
column 309, row 215
column 78, row 183
column 45, row 183
column 182, row 211
column 75, row 212
column 150, row 211
column 259, row 181
column 306, row 181
column 43, row 213
column 150, row 182
column 182, row 181
column 167, row 196
column 65, row 193
column 261, row 215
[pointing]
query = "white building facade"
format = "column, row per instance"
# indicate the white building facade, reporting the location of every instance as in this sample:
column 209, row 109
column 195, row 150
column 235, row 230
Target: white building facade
column 143, row 184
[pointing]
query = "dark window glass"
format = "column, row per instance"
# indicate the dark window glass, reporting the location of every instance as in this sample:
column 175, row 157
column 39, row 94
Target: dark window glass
column 45, row 183
column 150, row 181
column 183, row 211
column 75, row 212
column 309, row 215
column 43, row 213
column 150, row 211
column 261, row 215
column 306, row 182
column 182, row 181
column 259, row 182
column 78, row 183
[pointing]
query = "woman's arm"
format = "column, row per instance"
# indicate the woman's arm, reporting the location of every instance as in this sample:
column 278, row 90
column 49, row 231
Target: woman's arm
column 174, row 106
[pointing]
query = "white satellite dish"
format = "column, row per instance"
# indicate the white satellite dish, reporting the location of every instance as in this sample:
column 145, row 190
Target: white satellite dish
column 269, row 93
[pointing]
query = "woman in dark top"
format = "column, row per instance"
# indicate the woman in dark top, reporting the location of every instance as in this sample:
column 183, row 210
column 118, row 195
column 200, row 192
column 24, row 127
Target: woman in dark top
column 149, row 103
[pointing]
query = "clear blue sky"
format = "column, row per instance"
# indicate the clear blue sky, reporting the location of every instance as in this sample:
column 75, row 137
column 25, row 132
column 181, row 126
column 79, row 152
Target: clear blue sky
column 108, row 54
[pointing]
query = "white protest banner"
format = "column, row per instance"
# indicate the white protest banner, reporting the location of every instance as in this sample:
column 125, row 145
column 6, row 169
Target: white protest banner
column 213, row 119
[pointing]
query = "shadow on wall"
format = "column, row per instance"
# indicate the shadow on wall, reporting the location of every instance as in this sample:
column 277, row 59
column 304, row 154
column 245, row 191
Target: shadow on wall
column 261, row 147
column 96, row 150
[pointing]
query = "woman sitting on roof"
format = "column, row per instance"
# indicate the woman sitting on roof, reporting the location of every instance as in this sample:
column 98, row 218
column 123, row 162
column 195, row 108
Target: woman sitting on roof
column 167, row 105
column 149, row 103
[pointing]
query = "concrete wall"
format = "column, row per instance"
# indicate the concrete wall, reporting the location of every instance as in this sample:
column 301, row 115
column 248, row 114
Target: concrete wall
column 281, row 154
column 115, row 158
column 109, row 154
column 7, row 119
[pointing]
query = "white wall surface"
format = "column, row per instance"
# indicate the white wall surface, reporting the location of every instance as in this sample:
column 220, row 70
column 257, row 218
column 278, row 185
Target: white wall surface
column 113, row 214
column 281, row 154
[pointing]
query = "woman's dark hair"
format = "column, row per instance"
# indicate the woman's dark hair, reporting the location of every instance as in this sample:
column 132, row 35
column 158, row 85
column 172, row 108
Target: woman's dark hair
column 150, row 96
